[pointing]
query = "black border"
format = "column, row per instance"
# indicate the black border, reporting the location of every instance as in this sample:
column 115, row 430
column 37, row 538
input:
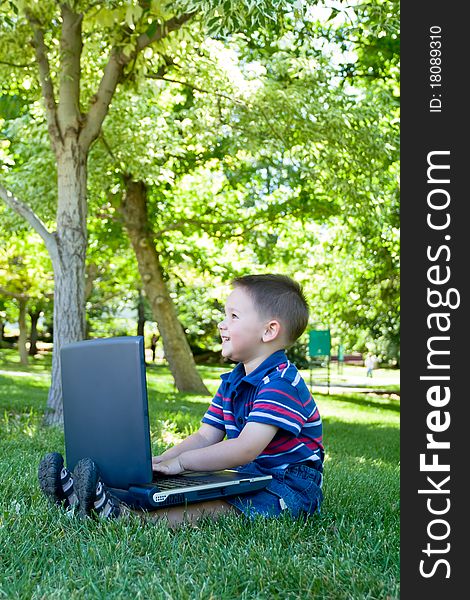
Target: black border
column 422, row 132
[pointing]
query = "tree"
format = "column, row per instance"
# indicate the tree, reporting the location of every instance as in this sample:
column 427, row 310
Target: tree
column 120, row 32
column 302, row 149
column 176, row 347
column 307, row 168
column 344, row 140
column 25, row 278
column 71, row 133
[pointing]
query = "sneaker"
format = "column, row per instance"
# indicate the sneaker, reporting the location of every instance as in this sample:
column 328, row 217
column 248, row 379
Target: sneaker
column 92, row 493
column 56, row 481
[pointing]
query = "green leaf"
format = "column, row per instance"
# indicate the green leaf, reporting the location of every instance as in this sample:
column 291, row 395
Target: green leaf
column 151, row 29
column 11, row 106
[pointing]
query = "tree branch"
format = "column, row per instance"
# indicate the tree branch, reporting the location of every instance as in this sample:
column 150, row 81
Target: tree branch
column 69, row 82
column 196, row 88
column 30, row 216
column 17, row 66
column 163, row 30
column 108, row 148
column 46, row 83
column 16, row 295
column 178, row 225
column 102, row 99
column 112, row 74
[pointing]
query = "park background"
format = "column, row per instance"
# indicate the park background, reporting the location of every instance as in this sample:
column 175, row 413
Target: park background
column 151, row 152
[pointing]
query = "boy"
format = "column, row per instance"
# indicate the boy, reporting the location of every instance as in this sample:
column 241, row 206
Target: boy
column 263, row 407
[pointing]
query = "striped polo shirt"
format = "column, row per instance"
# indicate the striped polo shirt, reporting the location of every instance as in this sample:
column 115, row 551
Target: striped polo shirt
column 274, row 393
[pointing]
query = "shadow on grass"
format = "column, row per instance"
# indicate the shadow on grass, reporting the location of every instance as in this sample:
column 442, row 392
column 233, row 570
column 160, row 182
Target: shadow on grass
column 178, row 413
column 40, row 363
column 344, row 441
column 21, row 397
column 385, row 404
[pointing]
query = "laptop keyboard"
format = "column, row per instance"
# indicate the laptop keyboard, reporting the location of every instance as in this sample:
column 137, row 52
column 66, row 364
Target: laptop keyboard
column 171, row 483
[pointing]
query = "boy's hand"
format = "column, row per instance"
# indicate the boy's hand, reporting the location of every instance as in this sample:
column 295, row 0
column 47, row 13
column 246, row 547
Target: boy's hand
column 156, row 460
column 172, row 466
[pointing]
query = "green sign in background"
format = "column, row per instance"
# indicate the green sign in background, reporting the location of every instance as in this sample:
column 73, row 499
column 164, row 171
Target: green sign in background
column 319, row 343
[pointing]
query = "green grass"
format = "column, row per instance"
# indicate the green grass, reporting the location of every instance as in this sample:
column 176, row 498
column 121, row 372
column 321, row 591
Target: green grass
column 350, row 551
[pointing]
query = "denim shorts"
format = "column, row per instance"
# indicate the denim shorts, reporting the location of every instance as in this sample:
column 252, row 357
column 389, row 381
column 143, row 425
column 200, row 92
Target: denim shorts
column 296, row 489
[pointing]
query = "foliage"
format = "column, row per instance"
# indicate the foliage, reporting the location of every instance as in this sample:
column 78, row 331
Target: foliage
column 236, row 177
column 23, row 269
column 340, row 139
column 298, row 353
column 25, row 273
column 274, row 148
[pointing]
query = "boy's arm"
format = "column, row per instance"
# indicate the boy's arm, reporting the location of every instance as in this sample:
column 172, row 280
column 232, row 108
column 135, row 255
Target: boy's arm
column 205, row 436
column 222, row 455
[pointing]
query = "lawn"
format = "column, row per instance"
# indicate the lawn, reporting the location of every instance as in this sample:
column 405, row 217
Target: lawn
column 350, row 551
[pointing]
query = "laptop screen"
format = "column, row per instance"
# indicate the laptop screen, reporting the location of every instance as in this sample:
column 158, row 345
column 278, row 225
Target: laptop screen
column 105, row 408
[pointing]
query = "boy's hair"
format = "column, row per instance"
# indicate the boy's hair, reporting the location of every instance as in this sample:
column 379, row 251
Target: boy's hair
column 278, row 296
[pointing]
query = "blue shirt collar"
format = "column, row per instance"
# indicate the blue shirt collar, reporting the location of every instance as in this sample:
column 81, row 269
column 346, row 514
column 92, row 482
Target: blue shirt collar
column 237, row 375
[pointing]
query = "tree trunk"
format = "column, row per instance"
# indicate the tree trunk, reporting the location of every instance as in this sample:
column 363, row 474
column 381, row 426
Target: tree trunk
column 175, row 344
column 33, row 336
column 71, row 133
column 140, row 315
column 69, row 266
column 23, row 302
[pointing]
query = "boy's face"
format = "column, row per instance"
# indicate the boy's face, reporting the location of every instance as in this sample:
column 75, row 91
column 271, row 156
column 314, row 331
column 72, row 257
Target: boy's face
column 242, row 329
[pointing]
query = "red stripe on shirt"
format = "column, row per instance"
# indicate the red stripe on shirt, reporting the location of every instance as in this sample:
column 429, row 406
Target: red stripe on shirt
column 280, row 392
column 314, row 416
column 308, row 441
column 310, row 399
column 289, row 444
column 284, row 447
column 280, row 440
column 258, row 405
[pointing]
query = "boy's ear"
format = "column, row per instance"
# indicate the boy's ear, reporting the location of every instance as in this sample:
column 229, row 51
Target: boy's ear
column 272, row 331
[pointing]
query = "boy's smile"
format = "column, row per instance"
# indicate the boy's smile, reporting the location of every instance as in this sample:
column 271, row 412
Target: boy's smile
column 243, row 331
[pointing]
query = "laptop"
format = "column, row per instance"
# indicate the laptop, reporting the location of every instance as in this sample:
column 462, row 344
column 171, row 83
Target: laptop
column 106, row 418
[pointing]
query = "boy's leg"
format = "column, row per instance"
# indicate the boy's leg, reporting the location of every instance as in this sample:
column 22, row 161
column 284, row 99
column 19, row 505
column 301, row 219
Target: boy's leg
column 191, row 513
column 56, row 481
column 92, row 494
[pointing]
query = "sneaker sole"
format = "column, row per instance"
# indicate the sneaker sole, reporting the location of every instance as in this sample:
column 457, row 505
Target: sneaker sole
column 49, row 471
column 85, row 477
